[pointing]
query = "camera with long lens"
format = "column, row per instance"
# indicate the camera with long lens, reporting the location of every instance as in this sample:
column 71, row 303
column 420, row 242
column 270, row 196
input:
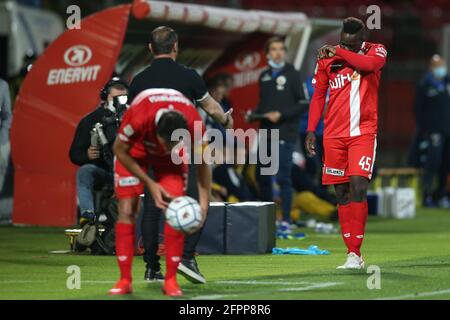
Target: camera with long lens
column 103, row 133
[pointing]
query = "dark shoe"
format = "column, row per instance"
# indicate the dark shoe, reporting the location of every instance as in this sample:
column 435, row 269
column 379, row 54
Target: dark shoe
column 188, row 268
column 153, row 275
column 87, row 217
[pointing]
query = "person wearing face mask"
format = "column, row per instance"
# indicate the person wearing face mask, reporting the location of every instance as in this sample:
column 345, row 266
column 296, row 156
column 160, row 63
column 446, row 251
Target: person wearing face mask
column 95, row 161
column 283, row 98
column 432, row 109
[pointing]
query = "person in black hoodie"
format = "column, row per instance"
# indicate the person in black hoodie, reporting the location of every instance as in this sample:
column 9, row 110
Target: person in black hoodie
column 283, row 98
column 96, row 163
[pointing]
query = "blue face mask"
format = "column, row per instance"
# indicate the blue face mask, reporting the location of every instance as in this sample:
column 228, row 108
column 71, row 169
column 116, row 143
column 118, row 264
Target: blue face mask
column 439, row 72
column 275, row 65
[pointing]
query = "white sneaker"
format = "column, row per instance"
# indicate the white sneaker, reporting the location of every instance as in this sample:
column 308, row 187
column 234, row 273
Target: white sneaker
column 353, row 262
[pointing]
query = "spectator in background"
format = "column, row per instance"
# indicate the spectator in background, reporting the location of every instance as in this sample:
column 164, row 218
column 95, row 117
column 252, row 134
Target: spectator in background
column 432, row 108
column 95, row 163
column 5, row 125
column 282, row 102
column 227, row 81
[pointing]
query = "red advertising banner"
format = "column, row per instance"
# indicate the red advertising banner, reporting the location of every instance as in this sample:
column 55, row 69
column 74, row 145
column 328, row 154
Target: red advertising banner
column 61, row 88
column 245, row 61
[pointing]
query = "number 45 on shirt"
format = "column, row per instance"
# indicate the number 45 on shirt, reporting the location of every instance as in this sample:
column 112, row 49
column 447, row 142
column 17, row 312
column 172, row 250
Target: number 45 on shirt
column 365, row 163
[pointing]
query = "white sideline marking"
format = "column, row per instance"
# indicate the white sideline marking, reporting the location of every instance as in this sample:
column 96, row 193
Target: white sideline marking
column 22, row 281
column 213, row 296
column 416, row 295
column 257, row 282
column 313, row 286
column 310, row 286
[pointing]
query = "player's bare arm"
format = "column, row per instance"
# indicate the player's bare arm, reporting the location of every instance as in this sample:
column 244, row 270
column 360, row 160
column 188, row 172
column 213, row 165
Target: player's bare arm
column 310, row 143
column 213, row 108
column 122, row 152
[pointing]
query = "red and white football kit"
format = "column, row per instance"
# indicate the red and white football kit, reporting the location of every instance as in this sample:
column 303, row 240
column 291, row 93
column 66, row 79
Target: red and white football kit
column 138, row 128
column 350, row 126
column 350, row 121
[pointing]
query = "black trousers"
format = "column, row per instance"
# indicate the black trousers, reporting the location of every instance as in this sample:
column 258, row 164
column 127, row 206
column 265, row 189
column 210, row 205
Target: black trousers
column 151, row 220
column 437, row 165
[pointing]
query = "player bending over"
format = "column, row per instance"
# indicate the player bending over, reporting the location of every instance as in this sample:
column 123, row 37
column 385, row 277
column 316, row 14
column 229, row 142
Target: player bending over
column 351, row 71
column 143, row 142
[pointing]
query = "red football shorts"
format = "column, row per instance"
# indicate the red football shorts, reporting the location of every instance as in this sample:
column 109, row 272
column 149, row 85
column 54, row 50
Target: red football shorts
column 170, row 176
column 125, row 184
column 345, row 157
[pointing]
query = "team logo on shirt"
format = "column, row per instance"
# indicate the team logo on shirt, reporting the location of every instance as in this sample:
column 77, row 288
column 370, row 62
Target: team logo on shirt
column 128, row 130
column 281, row 81
column 356, row 75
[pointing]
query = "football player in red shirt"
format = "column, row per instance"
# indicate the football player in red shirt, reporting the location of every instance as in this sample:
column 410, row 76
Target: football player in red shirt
column 351, row 72
column 143, row 141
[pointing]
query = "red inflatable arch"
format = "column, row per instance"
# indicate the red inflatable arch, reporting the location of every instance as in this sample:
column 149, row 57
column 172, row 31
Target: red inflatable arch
column 64, row 83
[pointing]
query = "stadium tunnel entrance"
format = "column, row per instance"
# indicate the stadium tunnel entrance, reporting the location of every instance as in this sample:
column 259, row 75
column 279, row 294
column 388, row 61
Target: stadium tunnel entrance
column 65, row 82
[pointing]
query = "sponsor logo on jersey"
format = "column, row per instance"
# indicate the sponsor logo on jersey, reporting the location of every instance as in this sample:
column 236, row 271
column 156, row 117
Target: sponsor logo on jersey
column 334, row 172
column 76, row 58
column 339, row 81
column 128, row 181
column 169, row 98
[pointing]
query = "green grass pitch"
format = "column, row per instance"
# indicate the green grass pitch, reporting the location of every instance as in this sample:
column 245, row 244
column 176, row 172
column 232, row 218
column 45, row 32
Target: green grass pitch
column 413, row 256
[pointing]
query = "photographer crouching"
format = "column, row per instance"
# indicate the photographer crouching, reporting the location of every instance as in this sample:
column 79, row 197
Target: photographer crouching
column 91, row 147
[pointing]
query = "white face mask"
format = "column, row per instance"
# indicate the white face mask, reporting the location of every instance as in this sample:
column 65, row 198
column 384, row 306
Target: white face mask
column 275, row 65
column 440, row 72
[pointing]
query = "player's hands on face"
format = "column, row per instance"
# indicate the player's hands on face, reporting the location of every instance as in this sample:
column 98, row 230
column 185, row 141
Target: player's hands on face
column 159, row 195
column 93, row 153
column 230, row 121
column 310, row 144
column 326, row 51
column 273, row 116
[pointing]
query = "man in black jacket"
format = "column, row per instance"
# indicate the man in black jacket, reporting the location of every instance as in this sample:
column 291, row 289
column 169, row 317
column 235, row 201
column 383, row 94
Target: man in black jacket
column 432, row 108
column 283, row 98
column 95, row 162
column 165, row 72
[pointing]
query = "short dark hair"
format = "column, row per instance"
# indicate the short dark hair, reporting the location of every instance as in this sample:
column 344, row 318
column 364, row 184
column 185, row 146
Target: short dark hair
column 352, row 25
column 168, row 123
column 118, row 86
column 162, row 40
column 224, row 78
column 272, row 40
